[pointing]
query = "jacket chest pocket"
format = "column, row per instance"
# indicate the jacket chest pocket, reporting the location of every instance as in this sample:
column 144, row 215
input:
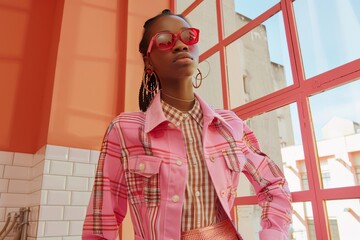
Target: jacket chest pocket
column 233, row 158
column 143, row 180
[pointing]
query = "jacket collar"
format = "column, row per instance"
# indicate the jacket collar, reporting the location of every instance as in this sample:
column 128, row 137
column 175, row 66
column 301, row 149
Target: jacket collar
column 154, row 115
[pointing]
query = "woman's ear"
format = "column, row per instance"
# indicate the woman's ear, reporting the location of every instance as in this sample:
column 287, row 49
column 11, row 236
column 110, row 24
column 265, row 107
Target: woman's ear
column 147, row 62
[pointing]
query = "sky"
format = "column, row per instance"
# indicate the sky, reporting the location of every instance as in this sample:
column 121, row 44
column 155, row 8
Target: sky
column 329, row 36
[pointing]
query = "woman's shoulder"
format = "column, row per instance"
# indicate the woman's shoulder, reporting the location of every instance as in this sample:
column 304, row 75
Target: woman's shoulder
column 227, row 114
column 137, row 118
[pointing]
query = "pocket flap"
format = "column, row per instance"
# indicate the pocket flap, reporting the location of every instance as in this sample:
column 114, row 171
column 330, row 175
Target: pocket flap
column 144, row 165
column 231, row 159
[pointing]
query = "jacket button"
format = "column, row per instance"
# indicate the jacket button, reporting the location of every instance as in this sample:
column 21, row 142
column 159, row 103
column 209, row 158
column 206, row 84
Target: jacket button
column 175, row 198
column 141, row 166
column 212, row 158
column 179, row 162
column 222, row 193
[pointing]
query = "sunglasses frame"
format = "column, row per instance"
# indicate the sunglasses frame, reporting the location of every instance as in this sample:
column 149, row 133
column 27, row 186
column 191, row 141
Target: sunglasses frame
column 175, row 37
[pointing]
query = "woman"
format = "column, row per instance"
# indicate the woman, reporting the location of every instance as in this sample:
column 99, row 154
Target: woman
column 177, row 163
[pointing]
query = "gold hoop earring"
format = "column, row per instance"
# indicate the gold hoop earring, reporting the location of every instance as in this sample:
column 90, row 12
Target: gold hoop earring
column 198, row 79
column 150, row 81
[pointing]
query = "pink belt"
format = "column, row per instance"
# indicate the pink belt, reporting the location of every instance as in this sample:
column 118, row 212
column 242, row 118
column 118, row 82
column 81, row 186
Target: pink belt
column 219, row 231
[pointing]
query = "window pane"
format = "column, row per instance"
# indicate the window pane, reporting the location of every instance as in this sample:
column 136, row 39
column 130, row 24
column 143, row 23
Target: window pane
column 343, row 218
column 204, row 18
column 235, row 12
column 278, row 133
column 336, row 119
column 211, row 87
column 258, row 63
column 302, row 226
column 247, row 221
column 329, row 33
column 183, row 5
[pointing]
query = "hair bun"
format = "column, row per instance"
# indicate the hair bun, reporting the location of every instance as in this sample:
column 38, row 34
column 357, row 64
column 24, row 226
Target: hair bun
column 166, row 12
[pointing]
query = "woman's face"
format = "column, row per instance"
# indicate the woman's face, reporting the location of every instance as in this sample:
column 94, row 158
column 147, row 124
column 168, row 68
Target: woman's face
column 177, row 63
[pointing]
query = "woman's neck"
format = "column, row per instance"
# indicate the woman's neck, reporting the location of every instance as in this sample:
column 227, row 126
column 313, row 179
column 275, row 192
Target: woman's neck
column 183, row 102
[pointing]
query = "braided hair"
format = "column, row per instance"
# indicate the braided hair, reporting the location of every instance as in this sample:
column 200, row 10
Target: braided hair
column 145, row 96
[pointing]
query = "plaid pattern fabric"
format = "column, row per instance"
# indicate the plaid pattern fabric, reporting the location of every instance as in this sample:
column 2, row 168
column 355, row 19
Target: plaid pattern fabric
column 151, row 168
column 200, row 208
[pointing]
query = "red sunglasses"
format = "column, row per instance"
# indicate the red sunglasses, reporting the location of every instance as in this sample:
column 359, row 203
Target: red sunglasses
column 167, row 40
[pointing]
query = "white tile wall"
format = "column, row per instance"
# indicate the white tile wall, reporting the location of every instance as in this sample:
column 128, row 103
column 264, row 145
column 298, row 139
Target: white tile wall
column 61, row 198
column 16, row 172
column 23, row 159
column 79, row 155
column 84, row 170
column 80, row 198
column 51, row 213
column 61, row 168
column 1, row 170
column 74, row 212
column 77, row 183
column 57, row 153
column 18, row 186
column 56, row 228
column 6, row 158
column 75, row 228
column 55, row 182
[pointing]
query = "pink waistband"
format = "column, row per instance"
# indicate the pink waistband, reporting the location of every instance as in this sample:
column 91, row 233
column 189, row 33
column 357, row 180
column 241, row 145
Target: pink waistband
column 219, row 231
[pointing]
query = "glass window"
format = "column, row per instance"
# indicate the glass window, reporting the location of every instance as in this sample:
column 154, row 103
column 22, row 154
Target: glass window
column 182, row 5
column 258, row 62
column 211, row 83
column 234, row 10
column 329, row 33
column 302, row 226
column 278, row 133
column 343, row 218
column 247, row 220
column 204, row 18
column 336, row 117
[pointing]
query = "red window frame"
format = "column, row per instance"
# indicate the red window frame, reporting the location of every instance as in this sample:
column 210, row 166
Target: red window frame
column 298, row 93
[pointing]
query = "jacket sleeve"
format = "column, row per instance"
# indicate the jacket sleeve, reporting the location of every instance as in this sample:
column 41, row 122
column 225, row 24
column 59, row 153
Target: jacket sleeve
column 108, row 201
column 271, row 188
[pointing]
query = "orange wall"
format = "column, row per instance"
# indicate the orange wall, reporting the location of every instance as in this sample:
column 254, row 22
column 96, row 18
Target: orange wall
column 63, row 66
column 28, row 30
column 90, row 72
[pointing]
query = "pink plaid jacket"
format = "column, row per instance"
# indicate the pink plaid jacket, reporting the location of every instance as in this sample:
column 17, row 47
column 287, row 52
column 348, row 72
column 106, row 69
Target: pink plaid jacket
column 143, row 162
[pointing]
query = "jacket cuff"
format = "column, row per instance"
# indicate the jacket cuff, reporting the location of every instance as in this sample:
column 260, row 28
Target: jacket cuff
column 271, row 234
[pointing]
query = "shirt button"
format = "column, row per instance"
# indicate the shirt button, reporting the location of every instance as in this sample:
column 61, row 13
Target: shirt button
column 222, row 193
column 185, row 115
column 197, row 193
column 175, row 198
column 233, row 191
column 179, row 162
column 141, row 166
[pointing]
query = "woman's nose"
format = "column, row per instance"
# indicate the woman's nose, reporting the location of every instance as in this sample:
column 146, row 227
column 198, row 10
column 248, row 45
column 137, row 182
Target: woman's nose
column 180, row 46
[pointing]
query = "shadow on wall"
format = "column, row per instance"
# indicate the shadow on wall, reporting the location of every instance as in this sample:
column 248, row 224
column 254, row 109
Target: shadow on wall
column 59, row 66
column 27, row 56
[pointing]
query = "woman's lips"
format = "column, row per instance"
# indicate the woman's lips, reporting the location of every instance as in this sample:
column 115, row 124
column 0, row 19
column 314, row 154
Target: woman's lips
column 183, row 58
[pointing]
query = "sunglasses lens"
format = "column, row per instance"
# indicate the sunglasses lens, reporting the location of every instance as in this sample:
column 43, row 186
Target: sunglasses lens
column 189, row 36
column 164, row 40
